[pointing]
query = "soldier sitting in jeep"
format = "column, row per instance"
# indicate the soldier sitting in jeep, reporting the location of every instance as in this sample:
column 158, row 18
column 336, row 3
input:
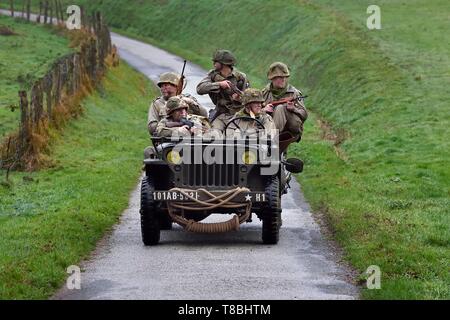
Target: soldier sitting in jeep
column 178, row 122
column 250, row 119
column 168, row 83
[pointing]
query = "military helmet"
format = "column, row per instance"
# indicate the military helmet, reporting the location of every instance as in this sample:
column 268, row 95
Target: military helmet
column 175, row 103
column 278, row 69
column 169, row 77
column 224, row 57
column 252, row 95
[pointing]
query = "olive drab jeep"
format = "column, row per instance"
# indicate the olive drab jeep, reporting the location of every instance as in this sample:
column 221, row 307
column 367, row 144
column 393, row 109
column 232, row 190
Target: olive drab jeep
column 189, row 178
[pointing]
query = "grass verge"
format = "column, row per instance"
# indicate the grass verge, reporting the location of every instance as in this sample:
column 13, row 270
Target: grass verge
column 52, row 219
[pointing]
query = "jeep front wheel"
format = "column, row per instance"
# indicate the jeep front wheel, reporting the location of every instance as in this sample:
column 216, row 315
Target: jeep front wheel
column 271, row 219
column 150, row 222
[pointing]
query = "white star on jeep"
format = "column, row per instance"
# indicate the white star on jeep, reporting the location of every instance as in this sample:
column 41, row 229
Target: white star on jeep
column 248, row 198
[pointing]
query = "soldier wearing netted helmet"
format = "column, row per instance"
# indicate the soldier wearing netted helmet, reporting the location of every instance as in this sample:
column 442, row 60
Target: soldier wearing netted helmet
column 224, row 84
column 178, row 122
column 168, row 83
column 291, row 115
column 252, row 100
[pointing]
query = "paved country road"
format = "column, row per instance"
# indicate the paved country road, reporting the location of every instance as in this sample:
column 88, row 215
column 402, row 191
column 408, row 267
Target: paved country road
column 226, row 266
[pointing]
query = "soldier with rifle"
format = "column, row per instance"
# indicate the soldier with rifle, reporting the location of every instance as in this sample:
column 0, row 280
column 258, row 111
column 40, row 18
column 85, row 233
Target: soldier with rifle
column 178, row 122
column 224, row 85
column 284, row 102
column 171, row 84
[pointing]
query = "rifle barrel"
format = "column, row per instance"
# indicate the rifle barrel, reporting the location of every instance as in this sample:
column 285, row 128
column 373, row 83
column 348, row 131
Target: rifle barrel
column 184, row 66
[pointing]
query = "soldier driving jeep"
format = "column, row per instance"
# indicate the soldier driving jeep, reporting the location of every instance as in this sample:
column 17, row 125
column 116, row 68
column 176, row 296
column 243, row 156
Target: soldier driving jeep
column 250, row 119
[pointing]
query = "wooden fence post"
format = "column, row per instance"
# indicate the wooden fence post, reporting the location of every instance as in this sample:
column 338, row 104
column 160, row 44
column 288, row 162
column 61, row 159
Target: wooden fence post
column 24, row 121
column 36, row 103
column 11, row 4
column 62, row 11
column 55, row 84
column 28, row 9
column 48, row 93
column 45, row 11
column 40, row 12
column 55, row 5
column 51, row 12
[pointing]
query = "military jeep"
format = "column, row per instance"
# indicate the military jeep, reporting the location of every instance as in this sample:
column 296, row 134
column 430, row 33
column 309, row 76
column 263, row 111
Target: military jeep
column 188, row 179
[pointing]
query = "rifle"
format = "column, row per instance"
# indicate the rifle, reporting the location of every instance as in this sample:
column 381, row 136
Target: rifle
column 181, row 123
column 285, row 100
column 180, row 85
column 235, row 89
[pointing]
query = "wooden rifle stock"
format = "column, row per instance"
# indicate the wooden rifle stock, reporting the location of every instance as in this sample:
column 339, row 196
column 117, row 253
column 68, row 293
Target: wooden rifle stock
column 286, row 100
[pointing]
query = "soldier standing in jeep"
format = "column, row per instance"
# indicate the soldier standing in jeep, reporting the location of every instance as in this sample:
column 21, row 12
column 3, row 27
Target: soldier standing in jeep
column 224, row 85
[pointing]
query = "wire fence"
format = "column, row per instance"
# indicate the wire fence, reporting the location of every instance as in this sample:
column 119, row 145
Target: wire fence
column 53, row 97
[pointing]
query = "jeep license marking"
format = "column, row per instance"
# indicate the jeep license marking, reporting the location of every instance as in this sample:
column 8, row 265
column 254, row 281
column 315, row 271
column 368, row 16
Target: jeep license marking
column 173, row 196
column 177, row 196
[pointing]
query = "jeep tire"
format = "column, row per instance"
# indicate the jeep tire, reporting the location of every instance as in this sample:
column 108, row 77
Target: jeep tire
column 271, row 218
column 150, row 221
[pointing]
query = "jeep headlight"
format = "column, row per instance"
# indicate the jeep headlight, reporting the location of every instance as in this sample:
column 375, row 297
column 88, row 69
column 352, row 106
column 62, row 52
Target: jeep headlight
column 173, row 157
column 249, row 157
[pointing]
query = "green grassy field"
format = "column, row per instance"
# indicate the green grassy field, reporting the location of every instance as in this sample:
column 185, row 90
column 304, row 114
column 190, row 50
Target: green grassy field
column 52, row 219
column 24, row 58
column 377, row 164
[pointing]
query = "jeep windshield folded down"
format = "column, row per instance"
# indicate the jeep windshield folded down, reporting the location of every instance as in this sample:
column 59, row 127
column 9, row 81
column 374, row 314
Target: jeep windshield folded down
column 189, row 178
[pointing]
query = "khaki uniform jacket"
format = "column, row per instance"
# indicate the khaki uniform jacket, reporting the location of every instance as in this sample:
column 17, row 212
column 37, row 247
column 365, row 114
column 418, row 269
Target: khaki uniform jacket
column 249, row 127
column 290, row 92
column 221, row 121
column 157, row 110
column 222, row 98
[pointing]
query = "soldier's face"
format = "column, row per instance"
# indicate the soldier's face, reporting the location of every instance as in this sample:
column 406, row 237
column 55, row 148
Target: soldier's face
column 279, row 82
column 217, row 66
column 255, row 107
column 179, row 114
column 168, row 90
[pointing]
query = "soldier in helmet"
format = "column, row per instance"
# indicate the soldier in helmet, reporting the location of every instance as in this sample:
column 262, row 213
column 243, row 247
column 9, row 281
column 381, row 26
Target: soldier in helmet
column 178, row 122
column 168, row 85
column 252, row 99
column 290, row 116
column 224, row 85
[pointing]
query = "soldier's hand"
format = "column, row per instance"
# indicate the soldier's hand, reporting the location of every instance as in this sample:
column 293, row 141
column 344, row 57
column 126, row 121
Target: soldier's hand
column 184, row 130
column 224, row 85
column 189, row 101
column 236, row 97
column 290, row 106
column 269, row 108
column 195, row 130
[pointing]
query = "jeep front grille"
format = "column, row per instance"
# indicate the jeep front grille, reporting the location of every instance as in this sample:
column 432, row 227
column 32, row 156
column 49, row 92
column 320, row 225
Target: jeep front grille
column 197, row 175
column 214, row 175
